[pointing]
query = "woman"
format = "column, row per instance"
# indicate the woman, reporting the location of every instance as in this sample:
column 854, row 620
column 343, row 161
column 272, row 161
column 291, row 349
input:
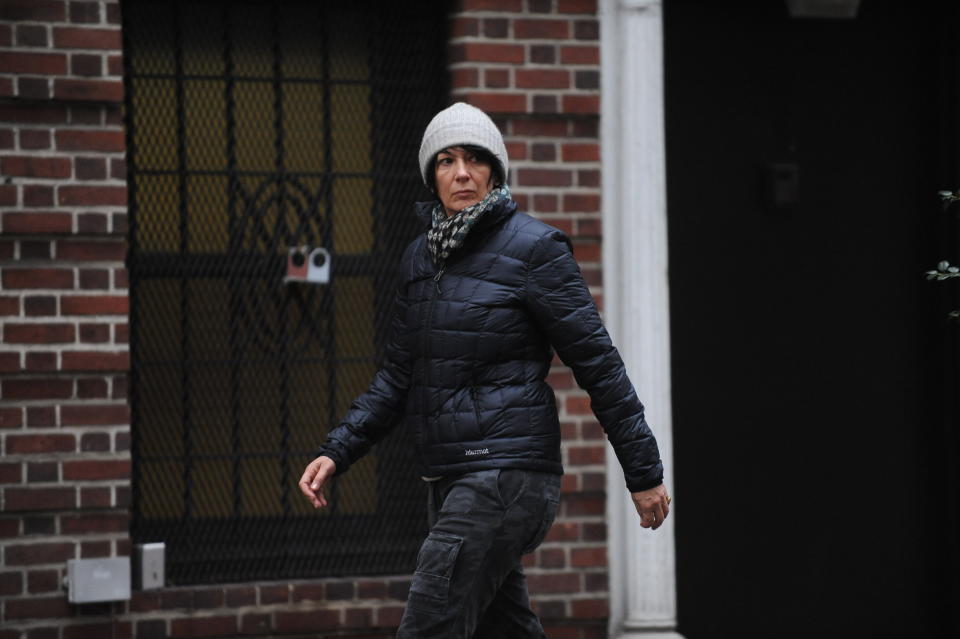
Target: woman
column 485, row 294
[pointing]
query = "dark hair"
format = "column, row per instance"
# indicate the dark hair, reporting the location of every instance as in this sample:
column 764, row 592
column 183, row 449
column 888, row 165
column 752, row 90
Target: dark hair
column 482, row 154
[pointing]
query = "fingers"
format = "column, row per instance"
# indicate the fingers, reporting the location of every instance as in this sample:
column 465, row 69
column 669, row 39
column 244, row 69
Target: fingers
column 313, row 479
column 653, row 507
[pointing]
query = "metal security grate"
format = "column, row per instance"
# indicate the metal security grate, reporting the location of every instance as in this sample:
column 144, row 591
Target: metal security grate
column 254, row 127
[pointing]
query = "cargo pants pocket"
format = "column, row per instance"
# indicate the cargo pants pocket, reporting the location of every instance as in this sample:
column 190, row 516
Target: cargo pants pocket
column 435, row 563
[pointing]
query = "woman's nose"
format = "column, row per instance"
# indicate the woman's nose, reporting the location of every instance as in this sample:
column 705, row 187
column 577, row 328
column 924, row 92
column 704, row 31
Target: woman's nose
column 461, row 170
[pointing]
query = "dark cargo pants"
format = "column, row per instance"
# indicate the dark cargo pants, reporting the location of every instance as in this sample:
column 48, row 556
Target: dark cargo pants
column 469, row 581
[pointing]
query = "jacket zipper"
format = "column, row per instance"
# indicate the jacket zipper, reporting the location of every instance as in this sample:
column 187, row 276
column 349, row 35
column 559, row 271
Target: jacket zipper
column 426, row 353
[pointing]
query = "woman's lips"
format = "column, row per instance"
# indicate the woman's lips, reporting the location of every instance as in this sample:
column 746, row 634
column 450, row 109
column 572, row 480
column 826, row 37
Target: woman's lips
column 463, row 193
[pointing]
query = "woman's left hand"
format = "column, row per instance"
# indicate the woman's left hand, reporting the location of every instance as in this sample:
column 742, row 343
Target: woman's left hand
column 653, row 506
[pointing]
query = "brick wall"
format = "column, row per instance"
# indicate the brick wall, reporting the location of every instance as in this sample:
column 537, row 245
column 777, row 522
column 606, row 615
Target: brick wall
column 63, row 300
column 534, row 66
column 64, row 420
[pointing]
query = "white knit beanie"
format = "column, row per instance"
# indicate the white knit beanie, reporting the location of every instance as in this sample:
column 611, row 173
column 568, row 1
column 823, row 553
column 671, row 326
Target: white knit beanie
column 461, row 124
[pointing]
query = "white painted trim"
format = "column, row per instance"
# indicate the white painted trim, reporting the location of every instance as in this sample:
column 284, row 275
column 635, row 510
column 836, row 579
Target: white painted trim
column 636, row 298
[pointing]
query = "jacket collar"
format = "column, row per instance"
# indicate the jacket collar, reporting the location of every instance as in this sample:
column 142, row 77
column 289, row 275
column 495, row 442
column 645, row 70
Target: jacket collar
column 495, row 215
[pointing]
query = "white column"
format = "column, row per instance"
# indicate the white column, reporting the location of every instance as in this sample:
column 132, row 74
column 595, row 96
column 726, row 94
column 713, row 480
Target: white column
column 636, row 298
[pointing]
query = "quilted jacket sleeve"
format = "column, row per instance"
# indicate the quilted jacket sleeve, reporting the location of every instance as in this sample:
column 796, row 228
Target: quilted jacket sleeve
column 375, row 413
column 559, row 300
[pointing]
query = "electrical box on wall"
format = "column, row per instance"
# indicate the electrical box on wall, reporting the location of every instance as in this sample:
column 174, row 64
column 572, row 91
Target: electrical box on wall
column 149, row 561
column 95, row 580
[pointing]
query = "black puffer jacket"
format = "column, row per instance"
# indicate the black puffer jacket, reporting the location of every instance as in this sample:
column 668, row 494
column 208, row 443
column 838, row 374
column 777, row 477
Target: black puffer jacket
column 470, row 350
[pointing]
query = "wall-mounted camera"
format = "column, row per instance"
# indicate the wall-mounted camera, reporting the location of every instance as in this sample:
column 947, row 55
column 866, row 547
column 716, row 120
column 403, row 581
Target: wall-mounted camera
column 308, row 265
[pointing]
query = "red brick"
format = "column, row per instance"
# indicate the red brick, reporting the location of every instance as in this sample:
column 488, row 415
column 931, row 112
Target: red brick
column 41, row 362
column 38, row 333
column 91, row 250
column 517, row 150
column 590, row 608
column 543, row 151
column 95, row 305
column 94, row 523
column 586, row 30
column 578, row 405
column 11, row 417
column 6, row 87
column 43, row 472
column 491, row 5
column 94, row 333
column 554, row 583
column 90, row 168
column 580, row 152
column 33, row 88
column 84, row 38
column 543, row 54
column 308, row 592
column 560, row 631
column 47, row 608
column 9, row 528
column 541, row 29
column 90, row 470
column 498, row 102
column 577, row 6
column 358, row 617
column 9, row 305
column 86, row 65
column 53, row 114
column 596, row 582
column 92, row 223
column 581, row 203
column 581, row 104
column 118, row 168
column 32, row 139
column 94, row 278
column 121, row 333
column 544, row 103
column 37, row 223
column 537, row 127
column 94, row 497
column 37, row 278
column 8, row 194
column 496, row 78
column 564, row 531
column 487, row 52
column 95, row 361
column 81, row 113
column 271, row 594
column 35, row 195
column 33, row 63
column 9, row 362
column 41, row 417
column 92, row 195
column 204, row 627
column 11, row 473
column 580, row 505
column 462, row 27
column 115, row 65
column 542, row 79
column 256, row 623
column 309, row 621
column 544, row 177
column 586, row 455
column 39, row 581
column 85, row 12
column 98, row 90
column 241, row 596
column 113, row 13
column 85, row 140
column 589, row 227
column 496, row 28
column 367, row 589
column 551, row 558
column 6, row 36
column 34, row 444
column 57, row 498
column 95, row 415
column 33, row 10
column 95, row 442
column 11, row 583
column 38, row 167
column 588, row 557
column 6, row 138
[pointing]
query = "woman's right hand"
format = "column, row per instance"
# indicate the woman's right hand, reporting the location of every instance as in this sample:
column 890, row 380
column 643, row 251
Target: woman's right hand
column 314, row 477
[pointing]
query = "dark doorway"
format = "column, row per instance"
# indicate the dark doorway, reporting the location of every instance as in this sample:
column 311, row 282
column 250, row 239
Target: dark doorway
column 812, row 465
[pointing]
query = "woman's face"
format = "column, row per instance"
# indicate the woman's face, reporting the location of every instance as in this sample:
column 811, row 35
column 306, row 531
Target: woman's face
column 462, row 179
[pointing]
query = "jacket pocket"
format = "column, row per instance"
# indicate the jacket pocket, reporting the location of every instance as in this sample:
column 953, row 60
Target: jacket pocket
column 435, row 565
